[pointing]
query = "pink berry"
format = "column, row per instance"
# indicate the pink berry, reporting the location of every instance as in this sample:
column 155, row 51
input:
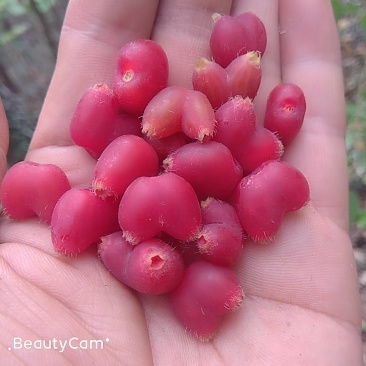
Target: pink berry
column 235, row 36
column 124, row 159
column 96, row 120
column 263, row 146
column 165, row 203
column 142, row 71
column 227, row 39
column 211, row 79
column 177, row 109
column 285, row 111
column 220, row 243
column 152, row 267
column 249, row 144
column 218, row 211
column 256, row 35
column 80, row 218
column 205, row 295
column 263, row 197
column 245, row 75
column 235, row 123
column 221, row 238
column 30, row 189
column 163, row 115
column 198, row 117
column 209, row 167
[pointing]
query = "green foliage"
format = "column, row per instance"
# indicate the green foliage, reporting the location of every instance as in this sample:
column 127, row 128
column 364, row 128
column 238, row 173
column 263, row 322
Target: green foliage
column 22, row 7
column 357, row 215
column 344, row 8
column 356, row 121
column 44, row 5
column 13, row 33
column 12, row 8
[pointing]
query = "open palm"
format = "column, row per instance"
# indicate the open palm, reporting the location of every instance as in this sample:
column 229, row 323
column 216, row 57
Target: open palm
column 301, row 305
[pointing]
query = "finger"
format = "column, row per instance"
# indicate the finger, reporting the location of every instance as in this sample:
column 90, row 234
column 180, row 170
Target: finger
column 310, row 58
column 92, row 34
column 183, row 29
column 267, row 11
column 310, row 263
column 4, row 140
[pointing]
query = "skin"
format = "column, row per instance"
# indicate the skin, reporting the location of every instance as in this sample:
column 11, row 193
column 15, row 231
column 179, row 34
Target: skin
column 302, row 304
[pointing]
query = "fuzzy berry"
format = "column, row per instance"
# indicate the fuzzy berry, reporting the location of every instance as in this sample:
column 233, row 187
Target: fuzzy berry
column 97, row 120
column 177, row 109
column 209, row 167
column 31, row 189
column 165, row 203
column 123, row 160
column 80, row 219
column 211, row 79
column 285, row 111
column 234, row 36
column 263, row 197
column 205, row 295
column 152, row 267
column 141, row 72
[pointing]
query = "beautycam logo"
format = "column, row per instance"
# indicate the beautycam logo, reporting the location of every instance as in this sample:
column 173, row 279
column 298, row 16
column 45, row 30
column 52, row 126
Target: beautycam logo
column 59, row 345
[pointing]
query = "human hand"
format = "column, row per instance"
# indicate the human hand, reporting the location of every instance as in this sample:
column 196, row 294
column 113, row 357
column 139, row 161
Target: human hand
column 302, row 303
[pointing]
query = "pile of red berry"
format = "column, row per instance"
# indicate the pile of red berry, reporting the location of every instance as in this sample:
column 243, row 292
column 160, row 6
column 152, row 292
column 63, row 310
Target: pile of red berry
column 183, row 176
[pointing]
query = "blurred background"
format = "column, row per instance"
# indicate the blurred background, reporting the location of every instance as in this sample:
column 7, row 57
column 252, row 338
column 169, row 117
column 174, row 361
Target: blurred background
column 29, row 31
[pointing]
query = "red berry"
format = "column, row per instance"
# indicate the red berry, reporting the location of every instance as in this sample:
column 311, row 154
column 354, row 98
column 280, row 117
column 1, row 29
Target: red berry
column 285, row 111
column 80, row 218
column 221, row 238
column 97, row 121
column 227, row 39
column 177, row 109
column 31, row 189
column 235, row 123
column 206, row 293
column 152, row 267
column 263, row 146
column 245, row 75
column 211, row 79
column 165, row 203
column 124, row 159
column 218, row 211
column 220, row 243
column 263, row 197
column 256, row 35
column 163, row 115
column 235, row 36
column 236, row 128
column 198, row 117
column 209, row 167
column 142, row 71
